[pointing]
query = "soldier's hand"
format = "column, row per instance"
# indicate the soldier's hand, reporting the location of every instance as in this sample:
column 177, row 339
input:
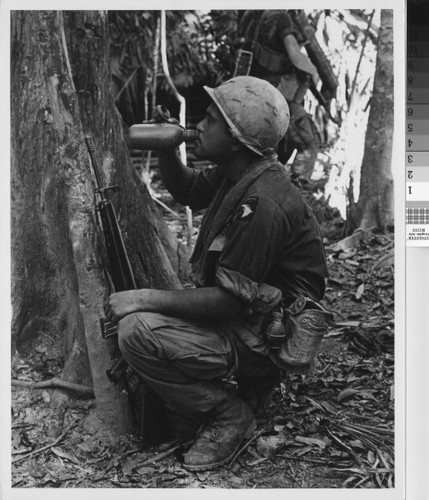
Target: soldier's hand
column 120, row 304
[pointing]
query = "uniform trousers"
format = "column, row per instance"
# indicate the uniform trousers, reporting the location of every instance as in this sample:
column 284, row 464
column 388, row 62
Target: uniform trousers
column 187, row 362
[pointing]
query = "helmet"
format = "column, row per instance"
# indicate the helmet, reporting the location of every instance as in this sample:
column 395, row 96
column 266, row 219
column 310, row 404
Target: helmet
column 256, row 112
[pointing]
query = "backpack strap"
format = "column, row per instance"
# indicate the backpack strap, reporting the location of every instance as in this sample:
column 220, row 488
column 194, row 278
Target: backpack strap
column 250, row 26
column 267, row 58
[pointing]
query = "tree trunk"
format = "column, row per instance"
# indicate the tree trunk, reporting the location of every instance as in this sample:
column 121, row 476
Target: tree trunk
column 374, row 209
column 60, row 78
column 46, row 162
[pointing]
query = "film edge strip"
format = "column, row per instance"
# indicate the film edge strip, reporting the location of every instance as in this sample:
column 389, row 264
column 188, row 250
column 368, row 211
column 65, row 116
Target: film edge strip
column 417, row 126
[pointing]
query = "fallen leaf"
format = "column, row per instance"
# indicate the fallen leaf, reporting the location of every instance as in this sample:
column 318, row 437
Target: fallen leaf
column 353, row 378
column 357, row 443
column 348, row 324
column 336, row 453
column 62, row 454
column 128, row 466
column 359, row 291
column 334, row 333
column 329, row 407
column 20, row 440
column 302, row 451
column 267, row 446
column 37, row 470
column 347, row 393
column 257, row 461
column 351, row 262
column 145, row 470
column 84, row 447
column 311, row 441
column 203, row 476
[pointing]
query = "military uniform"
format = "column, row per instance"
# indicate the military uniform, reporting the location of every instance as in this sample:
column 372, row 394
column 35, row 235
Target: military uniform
column 272, row 64
column 257, row 231
column 270, row 61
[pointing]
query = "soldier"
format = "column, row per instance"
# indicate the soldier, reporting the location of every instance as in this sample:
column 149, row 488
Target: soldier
column 272, row 37
column 258, row 244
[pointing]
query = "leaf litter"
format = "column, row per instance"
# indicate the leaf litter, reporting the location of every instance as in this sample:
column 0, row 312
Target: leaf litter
column 334, row 429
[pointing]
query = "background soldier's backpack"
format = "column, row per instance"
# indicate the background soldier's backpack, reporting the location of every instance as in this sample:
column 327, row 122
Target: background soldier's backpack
column 248, row 32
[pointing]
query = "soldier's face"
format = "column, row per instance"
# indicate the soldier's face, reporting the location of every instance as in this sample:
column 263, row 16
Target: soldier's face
column 215, row 141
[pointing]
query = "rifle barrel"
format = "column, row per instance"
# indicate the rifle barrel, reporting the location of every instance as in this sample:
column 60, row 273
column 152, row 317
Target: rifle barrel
column 119, row 266
column 90, row 147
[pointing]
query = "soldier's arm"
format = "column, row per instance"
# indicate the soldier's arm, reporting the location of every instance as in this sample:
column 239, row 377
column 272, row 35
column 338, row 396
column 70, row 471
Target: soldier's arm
column 176, row 176
column 298, row 59
column 201, row 304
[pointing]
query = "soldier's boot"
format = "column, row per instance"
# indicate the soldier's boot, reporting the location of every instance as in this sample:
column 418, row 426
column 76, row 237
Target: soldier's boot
column 220, row 438
column 182, row 427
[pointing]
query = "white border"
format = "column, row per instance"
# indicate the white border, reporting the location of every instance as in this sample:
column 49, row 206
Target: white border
column 416, row 355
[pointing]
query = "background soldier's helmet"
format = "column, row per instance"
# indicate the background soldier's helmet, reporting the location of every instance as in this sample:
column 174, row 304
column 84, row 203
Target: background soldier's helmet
column 256, row 112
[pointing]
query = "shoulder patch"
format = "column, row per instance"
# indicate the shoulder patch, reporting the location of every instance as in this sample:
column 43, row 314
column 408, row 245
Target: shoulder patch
column 247, row 209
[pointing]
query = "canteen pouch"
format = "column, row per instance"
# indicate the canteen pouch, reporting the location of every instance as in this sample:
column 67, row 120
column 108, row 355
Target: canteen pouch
column 302, row 130
column 306, row 322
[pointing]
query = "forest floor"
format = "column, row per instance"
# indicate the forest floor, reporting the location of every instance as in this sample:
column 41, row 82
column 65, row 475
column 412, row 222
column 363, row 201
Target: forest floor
column 332, row 430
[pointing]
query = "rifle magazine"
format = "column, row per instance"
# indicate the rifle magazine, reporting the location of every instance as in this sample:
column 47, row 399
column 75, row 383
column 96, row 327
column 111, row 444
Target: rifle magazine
column 108, row 329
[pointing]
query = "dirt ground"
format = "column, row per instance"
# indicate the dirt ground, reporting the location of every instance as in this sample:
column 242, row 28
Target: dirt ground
column 331, row 430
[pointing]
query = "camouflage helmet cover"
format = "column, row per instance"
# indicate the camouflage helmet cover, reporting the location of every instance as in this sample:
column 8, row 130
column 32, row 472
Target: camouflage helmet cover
column 255, row 111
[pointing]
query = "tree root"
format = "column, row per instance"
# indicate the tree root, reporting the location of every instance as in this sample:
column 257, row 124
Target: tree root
column 55, row 382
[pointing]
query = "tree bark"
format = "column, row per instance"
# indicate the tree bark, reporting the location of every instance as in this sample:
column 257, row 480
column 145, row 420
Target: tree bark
column 45, row 160
column 60, row 92
column 374, row 209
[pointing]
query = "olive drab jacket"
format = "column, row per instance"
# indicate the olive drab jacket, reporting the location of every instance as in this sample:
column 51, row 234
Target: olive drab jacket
column 258, row 231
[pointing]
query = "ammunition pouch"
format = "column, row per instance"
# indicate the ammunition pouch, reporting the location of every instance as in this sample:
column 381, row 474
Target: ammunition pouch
column 302, row 130
column 271, row 60
column 306, row 322
column 289, row 87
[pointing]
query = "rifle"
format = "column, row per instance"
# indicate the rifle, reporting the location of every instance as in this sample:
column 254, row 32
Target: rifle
column 249, row 26
column 119, row 267
column 322, row 101
column 243, row 63
column 149, row 411
column 317, row 56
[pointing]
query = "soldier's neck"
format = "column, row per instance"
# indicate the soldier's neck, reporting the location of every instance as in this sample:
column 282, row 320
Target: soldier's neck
column 239, row 165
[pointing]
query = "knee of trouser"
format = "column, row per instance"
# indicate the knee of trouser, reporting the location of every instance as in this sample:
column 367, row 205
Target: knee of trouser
column 131, row 332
